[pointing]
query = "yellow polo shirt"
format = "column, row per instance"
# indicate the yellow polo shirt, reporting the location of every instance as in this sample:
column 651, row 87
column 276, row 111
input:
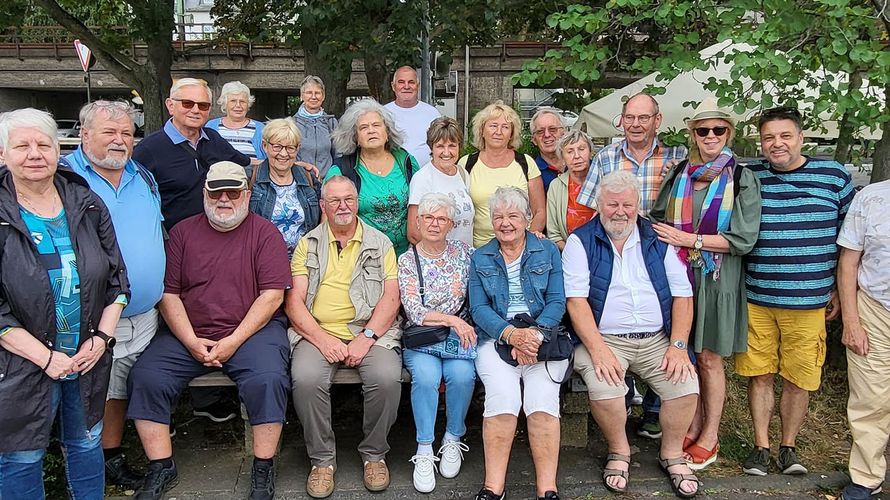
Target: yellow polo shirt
column 333, row 309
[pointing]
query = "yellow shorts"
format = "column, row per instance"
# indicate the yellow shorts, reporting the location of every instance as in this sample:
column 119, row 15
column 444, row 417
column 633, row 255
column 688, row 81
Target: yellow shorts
column 790, row 342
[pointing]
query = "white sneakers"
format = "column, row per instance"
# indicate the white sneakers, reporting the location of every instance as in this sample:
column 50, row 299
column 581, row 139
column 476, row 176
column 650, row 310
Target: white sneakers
column 451, row 456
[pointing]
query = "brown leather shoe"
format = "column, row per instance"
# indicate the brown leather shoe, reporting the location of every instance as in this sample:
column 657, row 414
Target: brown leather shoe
column 321, row 482
column 376, row 476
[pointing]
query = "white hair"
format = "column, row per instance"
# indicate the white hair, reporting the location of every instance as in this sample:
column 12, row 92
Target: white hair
column 510, row 197
column 234, row 88
column 618, row 181
column 190, row 82
column 112, row 110
column 311, row 80
column 345, row 136
column 432, row 202
column 337, row 179
column 545, row 111
column 28, row 118
column 571, row 137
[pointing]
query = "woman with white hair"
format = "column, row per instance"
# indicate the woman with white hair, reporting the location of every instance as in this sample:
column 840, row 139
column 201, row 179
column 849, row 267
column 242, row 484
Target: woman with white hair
column 315, row 126
column 373, row 158
column 433, row 276
column 514, row 276
column 64, row 286
column 243, row 134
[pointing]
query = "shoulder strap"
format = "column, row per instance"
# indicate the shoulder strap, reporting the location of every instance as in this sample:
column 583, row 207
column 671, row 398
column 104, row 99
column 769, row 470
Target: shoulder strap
column 522, row 161
column 149, row 180
column 409, row 168
column 736, row 176
column 421, row 289
column 471, row 161
column 194, row 154
column 347, row 169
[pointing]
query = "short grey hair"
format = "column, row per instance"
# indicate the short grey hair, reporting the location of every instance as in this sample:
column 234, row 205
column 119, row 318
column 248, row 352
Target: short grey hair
column 573, row 136
column 432, row 202
column 112, row 110
column 190, row 82
column 234, row 88
column 311, row 80
column 345, row 136
column 618, row 181
column 28, row 118
column 641, row 94
column 510, row 197
column 545, row 111
column 337, row 179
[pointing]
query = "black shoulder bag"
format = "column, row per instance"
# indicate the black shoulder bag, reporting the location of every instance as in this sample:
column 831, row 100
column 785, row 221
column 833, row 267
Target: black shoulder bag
column 422, row 335
column 556, row 346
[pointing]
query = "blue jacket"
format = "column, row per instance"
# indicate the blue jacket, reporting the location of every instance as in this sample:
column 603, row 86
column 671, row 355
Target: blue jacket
column 256, row 140
column 599, row 259
column 262, row 195
column 542, row 285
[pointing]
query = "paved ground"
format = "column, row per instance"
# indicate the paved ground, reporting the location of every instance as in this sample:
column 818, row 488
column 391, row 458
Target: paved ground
column 213, row 466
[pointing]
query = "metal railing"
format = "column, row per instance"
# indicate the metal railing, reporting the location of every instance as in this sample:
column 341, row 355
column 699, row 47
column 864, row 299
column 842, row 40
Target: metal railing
column 58, row 35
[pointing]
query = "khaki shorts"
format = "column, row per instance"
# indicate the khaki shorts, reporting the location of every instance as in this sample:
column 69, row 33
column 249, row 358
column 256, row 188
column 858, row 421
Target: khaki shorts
column 790, row 342
column 641, row 356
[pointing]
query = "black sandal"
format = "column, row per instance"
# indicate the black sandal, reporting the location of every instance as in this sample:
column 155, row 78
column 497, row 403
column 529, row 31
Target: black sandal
column 677, row 479
column 608, row 472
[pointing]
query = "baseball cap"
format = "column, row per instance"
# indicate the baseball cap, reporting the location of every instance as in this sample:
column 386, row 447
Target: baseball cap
column 225, row 175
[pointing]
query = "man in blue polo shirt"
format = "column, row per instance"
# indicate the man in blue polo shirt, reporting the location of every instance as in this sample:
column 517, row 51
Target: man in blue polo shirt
column 131, row 195
column 180, row 154
column 547, row 128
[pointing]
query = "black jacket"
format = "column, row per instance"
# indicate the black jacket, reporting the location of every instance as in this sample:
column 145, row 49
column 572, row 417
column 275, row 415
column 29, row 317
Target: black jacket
column 26, row 300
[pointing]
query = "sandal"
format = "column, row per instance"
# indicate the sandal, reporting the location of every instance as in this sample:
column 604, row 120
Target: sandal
column 687, row 442
column 698, row 458
column 677, row 479
column 608, row 472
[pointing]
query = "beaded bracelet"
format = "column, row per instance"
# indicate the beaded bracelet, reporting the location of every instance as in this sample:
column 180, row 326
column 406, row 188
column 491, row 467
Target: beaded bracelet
column 50, row 360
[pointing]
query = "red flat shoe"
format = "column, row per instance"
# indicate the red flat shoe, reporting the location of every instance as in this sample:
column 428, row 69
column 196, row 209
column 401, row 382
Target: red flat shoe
column 698, row 458
column 687, row 442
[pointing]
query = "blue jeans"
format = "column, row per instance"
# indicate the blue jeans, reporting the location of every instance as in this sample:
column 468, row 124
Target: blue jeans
column 21, row 472
column 426, row 375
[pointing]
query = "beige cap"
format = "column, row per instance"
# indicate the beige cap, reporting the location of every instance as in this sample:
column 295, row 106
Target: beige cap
column 225, row 175
column 709, row 109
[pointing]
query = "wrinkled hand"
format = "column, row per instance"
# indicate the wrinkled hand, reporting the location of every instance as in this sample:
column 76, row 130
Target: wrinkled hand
column 466, row 332
column 855, row 339
column 539, row 234
column 833, row 309
column 60, row 366
column 199, row 348
column 89, row 354
column 522, row 358
column 357, row 350
column 308, row 167
column 607, row 367
column 677, row 367
column 673, row 236
column 223, row 350
column 333, row 350
column 526, row 340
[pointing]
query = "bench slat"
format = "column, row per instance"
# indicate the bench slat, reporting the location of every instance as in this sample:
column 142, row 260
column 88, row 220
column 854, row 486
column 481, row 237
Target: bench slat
column 342, row 376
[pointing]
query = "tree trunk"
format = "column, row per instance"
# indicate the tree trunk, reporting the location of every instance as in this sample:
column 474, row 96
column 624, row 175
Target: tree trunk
column 378, row 76
column 846, row 130
column 881, row 161
column 334, row 72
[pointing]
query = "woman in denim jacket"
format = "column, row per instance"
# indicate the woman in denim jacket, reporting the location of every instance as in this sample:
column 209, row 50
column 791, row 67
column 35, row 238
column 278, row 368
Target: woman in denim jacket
column 516, row 273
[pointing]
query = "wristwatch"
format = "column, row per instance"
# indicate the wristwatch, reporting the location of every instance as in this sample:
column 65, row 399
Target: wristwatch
column 699, row 242
column 109, row 340
column 679, row 344
column 370, row 334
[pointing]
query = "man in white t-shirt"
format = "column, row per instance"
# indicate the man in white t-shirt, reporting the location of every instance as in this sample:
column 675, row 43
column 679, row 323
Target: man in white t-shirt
column 412, row 117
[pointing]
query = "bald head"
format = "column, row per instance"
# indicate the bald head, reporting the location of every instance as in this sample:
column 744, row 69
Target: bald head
column 404, row 86
column 640, row 120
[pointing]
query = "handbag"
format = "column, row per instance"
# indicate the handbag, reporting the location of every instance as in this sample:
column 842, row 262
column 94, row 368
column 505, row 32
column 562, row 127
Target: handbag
column 422, row 335
column 556, row 345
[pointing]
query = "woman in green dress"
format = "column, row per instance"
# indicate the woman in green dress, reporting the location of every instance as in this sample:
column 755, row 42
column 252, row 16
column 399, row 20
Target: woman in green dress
column 709, row 208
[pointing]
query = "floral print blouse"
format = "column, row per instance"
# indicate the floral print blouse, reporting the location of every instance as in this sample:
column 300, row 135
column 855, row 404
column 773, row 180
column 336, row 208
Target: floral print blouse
column 444, row 278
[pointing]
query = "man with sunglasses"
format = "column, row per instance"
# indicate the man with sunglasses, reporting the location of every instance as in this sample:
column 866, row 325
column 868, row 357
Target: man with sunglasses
column 226, row 276
column 790, row 283
column 180, row 154
column 547, row 128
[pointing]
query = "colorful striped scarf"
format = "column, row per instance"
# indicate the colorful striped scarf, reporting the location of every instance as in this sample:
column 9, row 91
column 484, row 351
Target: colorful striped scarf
column 715, row 210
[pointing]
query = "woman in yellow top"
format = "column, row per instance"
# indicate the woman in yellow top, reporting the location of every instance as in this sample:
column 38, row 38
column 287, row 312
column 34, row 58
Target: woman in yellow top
column 497, row 133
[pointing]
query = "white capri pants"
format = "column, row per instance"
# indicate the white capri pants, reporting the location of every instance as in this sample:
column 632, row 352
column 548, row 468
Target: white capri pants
column 503, row 394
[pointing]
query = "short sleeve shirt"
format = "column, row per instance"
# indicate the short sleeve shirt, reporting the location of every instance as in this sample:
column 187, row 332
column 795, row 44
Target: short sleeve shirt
column 288, row 215
column 867, row 229
column 218, row 276
column 430, row 179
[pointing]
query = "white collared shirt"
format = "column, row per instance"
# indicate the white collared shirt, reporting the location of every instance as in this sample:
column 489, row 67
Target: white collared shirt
column 631, row 304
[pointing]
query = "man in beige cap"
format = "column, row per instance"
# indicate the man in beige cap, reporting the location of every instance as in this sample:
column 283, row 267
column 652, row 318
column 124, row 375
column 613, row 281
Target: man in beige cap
column 226, row 275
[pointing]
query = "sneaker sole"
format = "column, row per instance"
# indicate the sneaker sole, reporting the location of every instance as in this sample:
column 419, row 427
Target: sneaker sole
column 795, row 470
column 218, row 420
column 698, row 467
column 754, row 472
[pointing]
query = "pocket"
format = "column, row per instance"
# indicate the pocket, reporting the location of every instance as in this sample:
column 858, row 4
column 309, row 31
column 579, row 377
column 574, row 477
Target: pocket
column 373, row 283
column 540, row 275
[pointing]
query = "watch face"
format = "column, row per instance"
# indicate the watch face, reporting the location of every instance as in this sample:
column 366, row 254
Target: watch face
column 369, row 333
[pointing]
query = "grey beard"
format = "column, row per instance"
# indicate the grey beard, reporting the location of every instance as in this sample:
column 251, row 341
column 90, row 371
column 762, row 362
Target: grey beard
column 226, row 224
column 107, row 163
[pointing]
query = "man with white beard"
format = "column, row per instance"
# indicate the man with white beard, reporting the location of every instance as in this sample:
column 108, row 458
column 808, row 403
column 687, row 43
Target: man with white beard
column 227, row 271
column 131, row 194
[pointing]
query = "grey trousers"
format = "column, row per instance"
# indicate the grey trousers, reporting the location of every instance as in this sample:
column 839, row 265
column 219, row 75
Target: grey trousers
column 381, row 374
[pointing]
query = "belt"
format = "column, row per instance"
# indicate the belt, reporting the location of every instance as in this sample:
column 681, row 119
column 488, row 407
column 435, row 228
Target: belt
column 638, row 335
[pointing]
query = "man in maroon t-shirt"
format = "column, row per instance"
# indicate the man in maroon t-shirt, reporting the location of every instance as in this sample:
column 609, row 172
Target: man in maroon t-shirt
column 227, row 271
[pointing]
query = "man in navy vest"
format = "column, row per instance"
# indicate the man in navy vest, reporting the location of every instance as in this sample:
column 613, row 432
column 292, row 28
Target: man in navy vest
column 630, row 302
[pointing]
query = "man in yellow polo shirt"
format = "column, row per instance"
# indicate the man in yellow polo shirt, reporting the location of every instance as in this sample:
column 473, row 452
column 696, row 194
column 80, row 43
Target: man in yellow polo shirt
column 343, row 308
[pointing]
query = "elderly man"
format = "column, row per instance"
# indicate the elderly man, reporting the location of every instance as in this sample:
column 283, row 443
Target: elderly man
column 223, row 289
column 344, row 307
column 180, row 154
column 131, row 195
column 547, row 128
column 630, row 302
column 865, row 254
column 790, row 280
column 412, row 117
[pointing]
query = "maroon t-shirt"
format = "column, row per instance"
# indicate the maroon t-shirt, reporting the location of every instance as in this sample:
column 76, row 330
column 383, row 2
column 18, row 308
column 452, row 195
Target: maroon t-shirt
column 218, row 275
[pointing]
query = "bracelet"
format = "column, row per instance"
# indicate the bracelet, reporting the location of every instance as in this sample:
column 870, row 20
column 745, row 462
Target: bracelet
column 50, row 360
column 506, row 337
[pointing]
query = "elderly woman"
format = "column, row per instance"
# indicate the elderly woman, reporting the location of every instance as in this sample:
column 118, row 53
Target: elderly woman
column 497, row 134
column 517, row 273
column 564, row 213
column 381, row 169
column 435, row 295
column 63, row 286
column 315, row 126
column 443, row 175
column 243, row 134
column 709, row 208
column 282, row 191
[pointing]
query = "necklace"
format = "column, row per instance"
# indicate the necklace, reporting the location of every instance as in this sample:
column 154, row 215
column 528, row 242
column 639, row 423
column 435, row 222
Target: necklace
column 431, row 254
column 34, row 208
column 367, row 164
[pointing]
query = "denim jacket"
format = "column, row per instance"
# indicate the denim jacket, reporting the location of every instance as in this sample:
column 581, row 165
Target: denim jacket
column 262, row 195
column 542, row 285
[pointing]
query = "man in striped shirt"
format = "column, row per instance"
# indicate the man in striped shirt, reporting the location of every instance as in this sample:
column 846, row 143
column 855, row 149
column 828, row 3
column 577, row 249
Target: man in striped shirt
column 639, row 152
column 790, row 281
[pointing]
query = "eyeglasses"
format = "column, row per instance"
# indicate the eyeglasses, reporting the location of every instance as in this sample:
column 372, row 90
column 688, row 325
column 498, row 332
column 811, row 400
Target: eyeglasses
column 630, row 119
column 703, row 131
column 549, row 130
column 189, row 104
column 429, row 219
column 335, row 202
column 278, row 147
column 232, row 194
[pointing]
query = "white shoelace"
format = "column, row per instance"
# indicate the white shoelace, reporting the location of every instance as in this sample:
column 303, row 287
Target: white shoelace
column 450, row 449
column 424, row 463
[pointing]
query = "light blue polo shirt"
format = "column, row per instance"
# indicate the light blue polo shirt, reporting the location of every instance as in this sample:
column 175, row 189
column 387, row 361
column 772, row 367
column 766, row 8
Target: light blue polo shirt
column 135, row 209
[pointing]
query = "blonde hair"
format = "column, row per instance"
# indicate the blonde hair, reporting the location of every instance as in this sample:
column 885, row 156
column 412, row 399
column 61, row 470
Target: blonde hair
column 282, row 131
column 694, row 153
column 494, row 111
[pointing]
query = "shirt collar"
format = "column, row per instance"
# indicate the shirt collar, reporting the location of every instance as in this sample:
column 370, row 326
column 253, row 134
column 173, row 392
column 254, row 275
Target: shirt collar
column 655, row 145
column 632, row 241
column 357, row 237
column 176, row 136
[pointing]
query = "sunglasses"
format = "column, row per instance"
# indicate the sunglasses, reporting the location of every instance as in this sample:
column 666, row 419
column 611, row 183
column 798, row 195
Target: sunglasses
column 232, row 194
column 189, row 104
column 703, row 131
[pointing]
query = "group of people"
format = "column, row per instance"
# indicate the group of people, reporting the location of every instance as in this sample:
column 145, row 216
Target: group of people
column 280, row 252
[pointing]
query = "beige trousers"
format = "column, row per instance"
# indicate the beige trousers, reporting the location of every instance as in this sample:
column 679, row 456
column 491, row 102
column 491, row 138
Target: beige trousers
column 868, row 408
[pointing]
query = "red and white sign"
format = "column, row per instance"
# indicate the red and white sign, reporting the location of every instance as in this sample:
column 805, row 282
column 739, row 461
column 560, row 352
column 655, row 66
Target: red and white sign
column 84, row 54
